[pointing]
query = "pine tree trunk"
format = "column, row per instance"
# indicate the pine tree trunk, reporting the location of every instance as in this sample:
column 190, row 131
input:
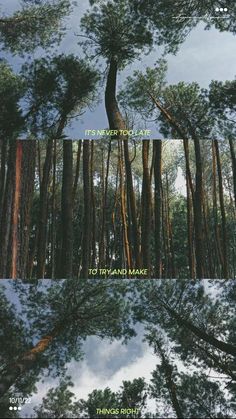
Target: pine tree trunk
column 93, row 212
column 123, row 207
column 77, row 169
column 26, row 361
column 53, row 250
column 4, row 146
column 104, row 206
column 146, row 208
column 218, row 250
column 27, row 190
column 170, row 383
column 132, row 204
column 233, row 159
column 200, row 333
column 198, row 213
column 222, row 209
column 43, row 212
column 86, row 243
column 67, row 211
column 16, row 210
column 157, row 149
column 116, row 122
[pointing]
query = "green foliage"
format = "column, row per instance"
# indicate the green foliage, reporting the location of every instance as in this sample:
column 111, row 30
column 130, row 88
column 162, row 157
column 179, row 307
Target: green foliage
column 58, row 88
column 11, row 91
column 98, row 399
column 58, row 402
column 137, row 89
column 111, row 32
column 37, row 24
column 171, row 20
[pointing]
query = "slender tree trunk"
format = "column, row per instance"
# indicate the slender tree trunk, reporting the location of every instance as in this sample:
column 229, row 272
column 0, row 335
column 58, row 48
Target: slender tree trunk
column 146, row 208
column 218, row 250
column 27, row 191
column 43, row 211
column 86, row 243
column 170, row 383
column 67, row 211
column 157, row 149
column 16, row 210
column 77, row 169
column 200, row 333
column 217, row 363
column 93, row 212
column 43, row 202
column 6, row 220
column 53, row 252
column 169, row 227
column 222, row 209
column 233, row 159
column 190, row 233
column 4, row 146
column 198, row 218
column 116, row 122
column 104, row 207
column 123, row 208
column 132, row 203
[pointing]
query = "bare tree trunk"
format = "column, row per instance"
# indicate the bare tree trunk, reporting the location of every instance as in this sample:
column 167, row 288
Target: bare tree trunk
column 104, row 207
column 67, row 211
column 27, row 190
column 93, row 212
column 157, row 149
column 43, row 211
column 222, row 209
column 146, row 208
column 16, row 208
column 123, row 208
column 198, row 213
column 53, row 252
column 218, row 250
column 170, row 382
column 86, row 243
column 233, row 159
column 132, row 204
column 4, row 146
column 77, row 169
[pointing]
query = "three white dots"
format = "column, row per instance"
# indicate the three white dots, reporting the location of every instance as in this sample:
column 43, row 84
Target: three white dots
column 221, row 9
column 14, row 408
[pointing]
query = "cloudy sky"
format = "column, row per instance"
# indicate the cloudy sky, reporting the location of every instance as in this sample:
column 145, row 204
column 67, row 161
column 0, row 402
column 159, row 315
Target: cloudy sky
column 205, row 55
column 104, row 364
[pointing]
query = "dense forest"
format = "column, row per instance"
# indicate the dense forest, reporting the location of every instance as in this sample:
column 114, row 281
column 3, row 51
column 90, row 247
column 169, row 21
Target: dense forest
column 68, row 209
column 158, row 214
column 188, row 326
column 84, row 204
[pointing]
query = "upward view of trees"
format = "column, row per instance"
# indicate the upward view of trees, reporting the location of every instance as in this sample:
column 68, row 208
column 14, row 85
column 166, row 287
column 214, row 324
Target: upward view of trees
column 78, row 215
column 67, row 207
column 189, row 327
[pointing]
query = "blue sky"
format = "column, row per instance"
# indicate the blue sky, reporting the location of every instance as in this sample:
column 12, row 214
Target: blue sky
column 104, row 364
column 205, row 55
